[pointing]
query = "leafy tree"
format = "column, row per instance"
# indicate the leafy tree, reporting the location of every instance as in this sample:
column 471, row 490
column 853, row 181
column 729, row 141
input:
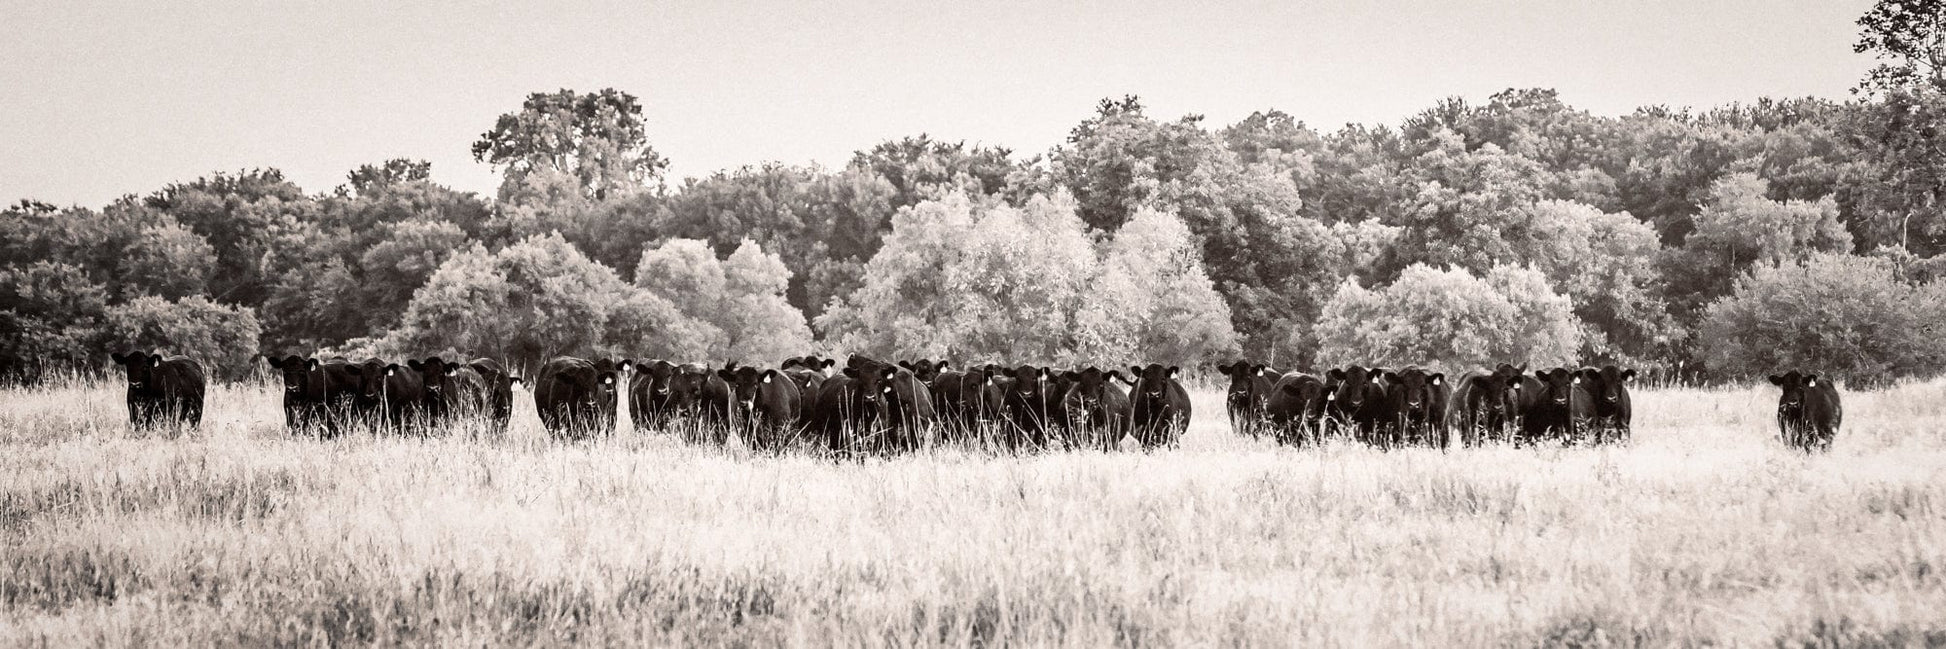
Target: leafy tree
column 597, row 140
column 52, row 319
column 1740, row 228
column 240, row 215
column 921, row 168
column 1834, row 314
column 222, row 338
column 1908, row 37
column 1451, row 319
column 368, row 178
column 741, row 300
column 1152, row 301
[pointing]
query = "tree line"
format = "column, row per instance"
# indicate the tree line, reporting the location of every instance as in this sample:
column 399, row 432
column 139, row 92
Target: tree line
column 1720, row 243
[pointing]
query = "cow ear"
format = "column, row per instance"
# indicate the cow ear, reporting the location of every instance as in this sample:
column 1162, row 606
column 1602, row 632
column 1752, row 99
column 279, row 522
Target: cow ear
column 767, row 376
column 417, row 365
column 1008, row 372
column 1135, row 370
column 1174, row 371
column 155, row 360
column 943, row 365
column 1336, row 374
column 1225, row 368
column 888, row 374
column 1438, row 378
column 452, row 370
column 851, row 372
column 1810, row 380
column 391, row 369
column 123, row 360
column 518, row 382
column 1117, row 375
column 1389, row 376
column 625, row 365
column 607, row 378
column 826, row 363
column 727, row 374
column 1041, row 373
column 1071, row 375
column 1262, row 370
column 310, row 364
column 1627, row 375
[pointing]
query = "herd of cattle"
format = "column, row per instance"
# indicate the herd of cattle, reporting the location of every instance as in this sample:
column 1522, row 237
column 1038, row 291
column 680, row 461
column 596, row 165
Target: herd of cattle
column 874, row 406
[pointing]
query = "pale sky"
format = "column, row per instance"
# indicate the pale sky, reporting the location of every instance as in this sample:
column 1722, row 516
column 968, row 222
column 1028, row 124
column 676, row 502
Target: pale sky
column 98, row 99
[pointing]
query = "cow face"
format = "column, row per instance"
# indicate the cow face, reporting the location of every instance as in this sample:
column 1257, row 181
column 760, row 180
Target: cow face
column 435, row 371
column 746, row 382
column 371, row 379
column 689, row 382
column 1090, row 385
column 1353, row 385
column 658, row 377
column 874, row 384
column 296, row 372
column 1030, row 383
column 1496, row 393
column 1794, row 385
column 1309, row 392
column 1243, row 375
column 1559, row 384
column 1611, row 383
column 139, row 369
column 1414, row 389
column 925, row 370
column 1154, row 379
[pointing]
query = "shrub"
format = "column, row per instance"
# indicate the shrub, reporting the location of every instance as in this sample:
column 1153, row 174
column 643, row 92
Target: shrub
column 1452, row 320
column 221, row 337
column 1834, row 314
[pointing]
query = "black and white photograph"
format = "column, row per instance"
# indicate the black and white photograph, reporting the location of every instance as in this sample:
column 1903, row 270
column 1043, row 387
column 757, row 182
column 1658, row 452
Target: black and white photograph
column 855, row 323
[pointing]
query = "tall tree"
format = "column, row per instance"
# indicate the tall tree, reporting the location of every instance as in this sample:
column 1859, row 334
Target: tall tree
column 598, row 139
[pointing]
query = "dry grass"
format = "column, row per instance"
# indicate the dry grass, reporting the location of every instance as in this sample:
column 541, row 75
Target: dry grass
column 1705, row 530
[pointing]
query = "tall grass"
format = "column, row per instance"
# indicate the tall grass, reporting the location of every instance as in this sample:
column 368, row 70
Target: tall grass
column 1704, row 530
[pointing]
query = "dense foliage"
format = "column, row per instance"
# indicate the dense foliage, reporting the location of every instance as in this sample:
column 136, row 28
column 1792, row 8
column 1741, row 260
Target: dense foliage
column 1138, row 236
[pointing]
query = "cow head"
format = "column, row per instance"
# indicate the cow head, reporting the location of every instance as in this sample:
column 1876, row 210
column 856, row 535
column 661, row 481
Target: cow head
column 1609, row 383
column 435, row 371
column 139, row 369
column 296, row 372
column 1090, row 385
column 1031, row 384
column 1413, row 389
column 1244, row 375
column 874, row 385
column 1308, row 392
column 925, row 370
column 657, row 377
column 1558, row 384
column 371, row 379
column 1495, row 393
column 1794, row 385
column 1352, row 385
column 745, row 382
column 1153, row 380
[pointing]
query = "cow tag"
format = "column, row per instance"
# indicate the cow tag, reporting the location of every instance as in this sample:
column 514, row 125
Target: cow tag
column 1811, row 383
column 390, row 371
column 766, row 379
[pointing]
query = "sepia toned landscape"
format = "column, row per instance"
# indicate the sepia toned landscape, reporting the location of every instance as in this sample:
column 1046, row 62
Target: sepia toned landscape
column 1704, row 530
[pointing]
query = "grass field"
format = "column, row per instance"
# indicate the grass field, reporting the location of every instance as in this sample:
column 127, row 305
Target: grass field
column 1704, row 530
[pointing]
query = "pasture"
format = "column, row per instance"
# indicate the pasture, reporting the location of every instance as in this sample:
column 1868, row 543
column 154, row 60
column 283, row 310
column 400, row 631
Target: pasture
column 1704, row 529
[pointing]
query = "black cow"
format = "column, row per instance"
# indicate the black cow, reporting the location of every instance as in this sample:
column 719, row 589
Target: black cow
column 653, row 401
column 1032, row 407
column 447, row 389
column 1485, row 406
column 1356, row 400
column 1561, row 410
column 162, row 390
column 575, row 398
column 1097, row 410
column 910, row 413
column 1808, row 412
column 1159, row 406
column 1416, row 403
column 706, row 401
column 1609, row 387
column 1249, row 393
column 395, row 393
column 769, row 406
column 850, row 408
column 498, row 390
column 1295, row 408
column 320, row 397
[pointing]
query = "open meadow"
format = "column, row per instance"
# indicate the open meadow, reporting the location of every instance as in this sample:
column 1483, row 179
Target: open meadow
column 1704, row 530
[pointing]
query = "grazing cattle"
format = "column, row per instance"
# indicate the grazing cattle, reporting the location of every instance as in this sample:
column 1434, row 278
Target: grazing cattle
column 971, row 401
column 1159, row 406
column 498, row 392
column 1295, row 408
column 850, row 408
column 1250, row 385
column 319, row 397
column 1031, row 406
column 1808, row 412
column 1485, row 406
column 1562, row 408
column 162, row 390
column 1097, row 410
column 303, row 391
column 1356, row 400
column 910, row 414
column 769, row 406
column 705, row 401
column 449, row 389
column 1609, row 387
column 395, row 392
column 1415, row 408
column 575, row 399
column 653, row 401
